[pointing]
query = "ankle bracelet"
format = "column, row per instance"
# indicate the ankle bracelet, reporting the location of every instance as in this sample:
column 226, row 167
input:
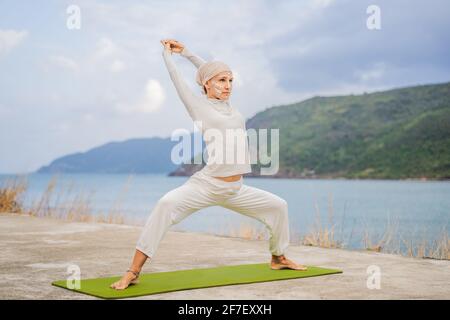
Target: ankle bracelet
column 133, row 272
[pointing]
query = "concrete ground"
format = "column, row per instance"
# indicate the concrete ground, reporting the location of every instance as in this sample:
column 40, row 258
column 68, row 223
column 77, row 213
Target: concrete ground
column 37, row 251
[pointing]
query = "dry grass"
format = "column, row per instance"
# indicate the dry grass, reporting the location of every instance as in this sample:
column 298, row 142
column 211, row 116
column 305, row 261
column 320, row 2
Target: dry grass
column 248, row 231
column 322, row 236
column 414, row 246
column 384, row 243
column 58, row 203
column 438, row 249
column 441, row 247
column 390, row 240
column 11, row 193
column 245, row 230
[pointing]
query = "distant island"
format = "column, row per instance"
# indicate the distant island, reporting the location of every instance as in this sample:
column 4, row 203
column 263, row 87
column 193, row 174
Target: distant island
column 401, row 133
column 141, row 155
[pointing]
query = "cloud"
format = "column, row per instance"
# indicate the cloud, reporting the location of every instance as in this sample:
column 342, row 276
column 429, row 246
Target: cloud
column 334, row 49
column 151, row 100
column 153, row 97
column 10, row 39
column 117, row 65
column 321, row 3
column 106, row 48
column 64, row 62
column 375, row 72
column 63, row 127
column 88, row 117
column 109, row 55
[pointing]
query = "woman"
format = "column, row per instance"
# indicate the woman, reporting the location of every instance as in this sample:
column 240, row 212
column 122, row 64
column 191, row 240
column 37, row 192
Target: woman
column 217, row 183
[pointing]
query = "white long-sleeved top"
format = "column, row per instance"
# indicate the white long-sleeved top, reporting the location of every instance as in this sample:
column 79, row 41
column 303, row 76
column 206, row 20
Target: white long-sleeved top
column 217, row 118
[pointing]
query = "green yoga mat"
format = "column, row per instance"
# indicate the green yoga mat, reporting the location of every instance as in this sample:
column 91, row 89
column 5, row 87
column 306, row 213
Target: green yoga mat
column 159, row 282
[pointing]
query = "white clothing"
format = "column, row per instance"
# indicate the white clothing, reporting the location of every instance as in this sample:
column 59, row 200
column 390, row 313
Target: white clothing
column 229, row 155
column 201, row 191
column 209, row 70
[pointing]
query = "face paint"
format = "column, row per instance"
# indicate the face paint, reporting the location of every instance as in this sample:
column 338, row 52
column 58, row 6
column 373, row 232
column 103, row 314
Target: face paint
column 218, row 86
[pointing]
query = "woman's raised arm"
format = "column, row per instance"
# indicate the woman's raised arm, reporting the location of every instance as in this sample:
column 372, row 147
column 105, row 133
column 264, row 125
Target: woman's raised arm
column 191, row 101
column 196, row 60
column 180, row 48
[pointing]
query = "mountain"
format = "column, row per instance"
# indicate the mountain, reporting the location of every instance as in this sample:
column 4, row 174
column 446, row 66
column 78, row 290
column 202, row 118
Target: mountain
column 395, row 134
column 144, row 155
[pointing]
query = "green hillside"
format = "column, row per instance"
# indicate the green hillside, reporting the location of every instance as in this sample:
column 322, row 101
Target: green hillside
column 395, row 134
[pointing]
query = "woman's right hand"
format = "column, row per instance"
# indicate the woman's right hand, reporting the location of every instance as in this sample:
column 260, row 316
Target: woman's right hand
column 173, row 45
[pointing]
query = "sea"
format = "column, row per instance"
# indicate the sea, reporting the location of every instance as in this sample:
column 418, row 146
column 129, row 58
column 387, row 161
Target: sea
column 354, row 214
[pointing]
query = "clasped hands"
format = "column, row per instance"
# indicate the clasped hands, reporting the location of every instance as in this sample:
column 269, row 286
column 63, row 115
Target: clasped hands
column 172, row 45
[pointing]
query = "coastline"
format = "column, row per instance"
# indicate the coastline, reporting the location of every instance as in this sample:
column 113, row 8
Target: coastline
column 187, row 171
column 37, row 251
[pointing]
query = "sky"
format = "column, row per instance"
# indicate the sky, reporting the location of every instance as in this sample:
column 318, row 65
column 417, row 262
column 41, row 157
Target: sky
column 78, row 74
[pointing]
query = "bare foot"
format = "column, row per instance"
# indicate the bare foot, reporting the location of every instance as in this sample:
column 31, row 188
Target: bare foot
column 281, row 262
column 130, row 277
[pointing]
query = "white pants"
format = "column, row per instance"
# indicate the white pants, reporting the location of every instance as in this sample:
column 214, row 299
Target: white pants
column 201, row 191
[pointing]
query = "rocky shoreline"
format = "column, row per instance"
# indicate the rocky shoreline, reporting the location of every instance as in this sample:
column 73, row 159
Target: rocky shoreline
column 187, row 170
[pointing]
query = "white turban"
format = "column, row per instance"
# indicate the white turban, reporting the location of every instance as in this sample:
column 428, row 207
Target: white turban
column 208, row 70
